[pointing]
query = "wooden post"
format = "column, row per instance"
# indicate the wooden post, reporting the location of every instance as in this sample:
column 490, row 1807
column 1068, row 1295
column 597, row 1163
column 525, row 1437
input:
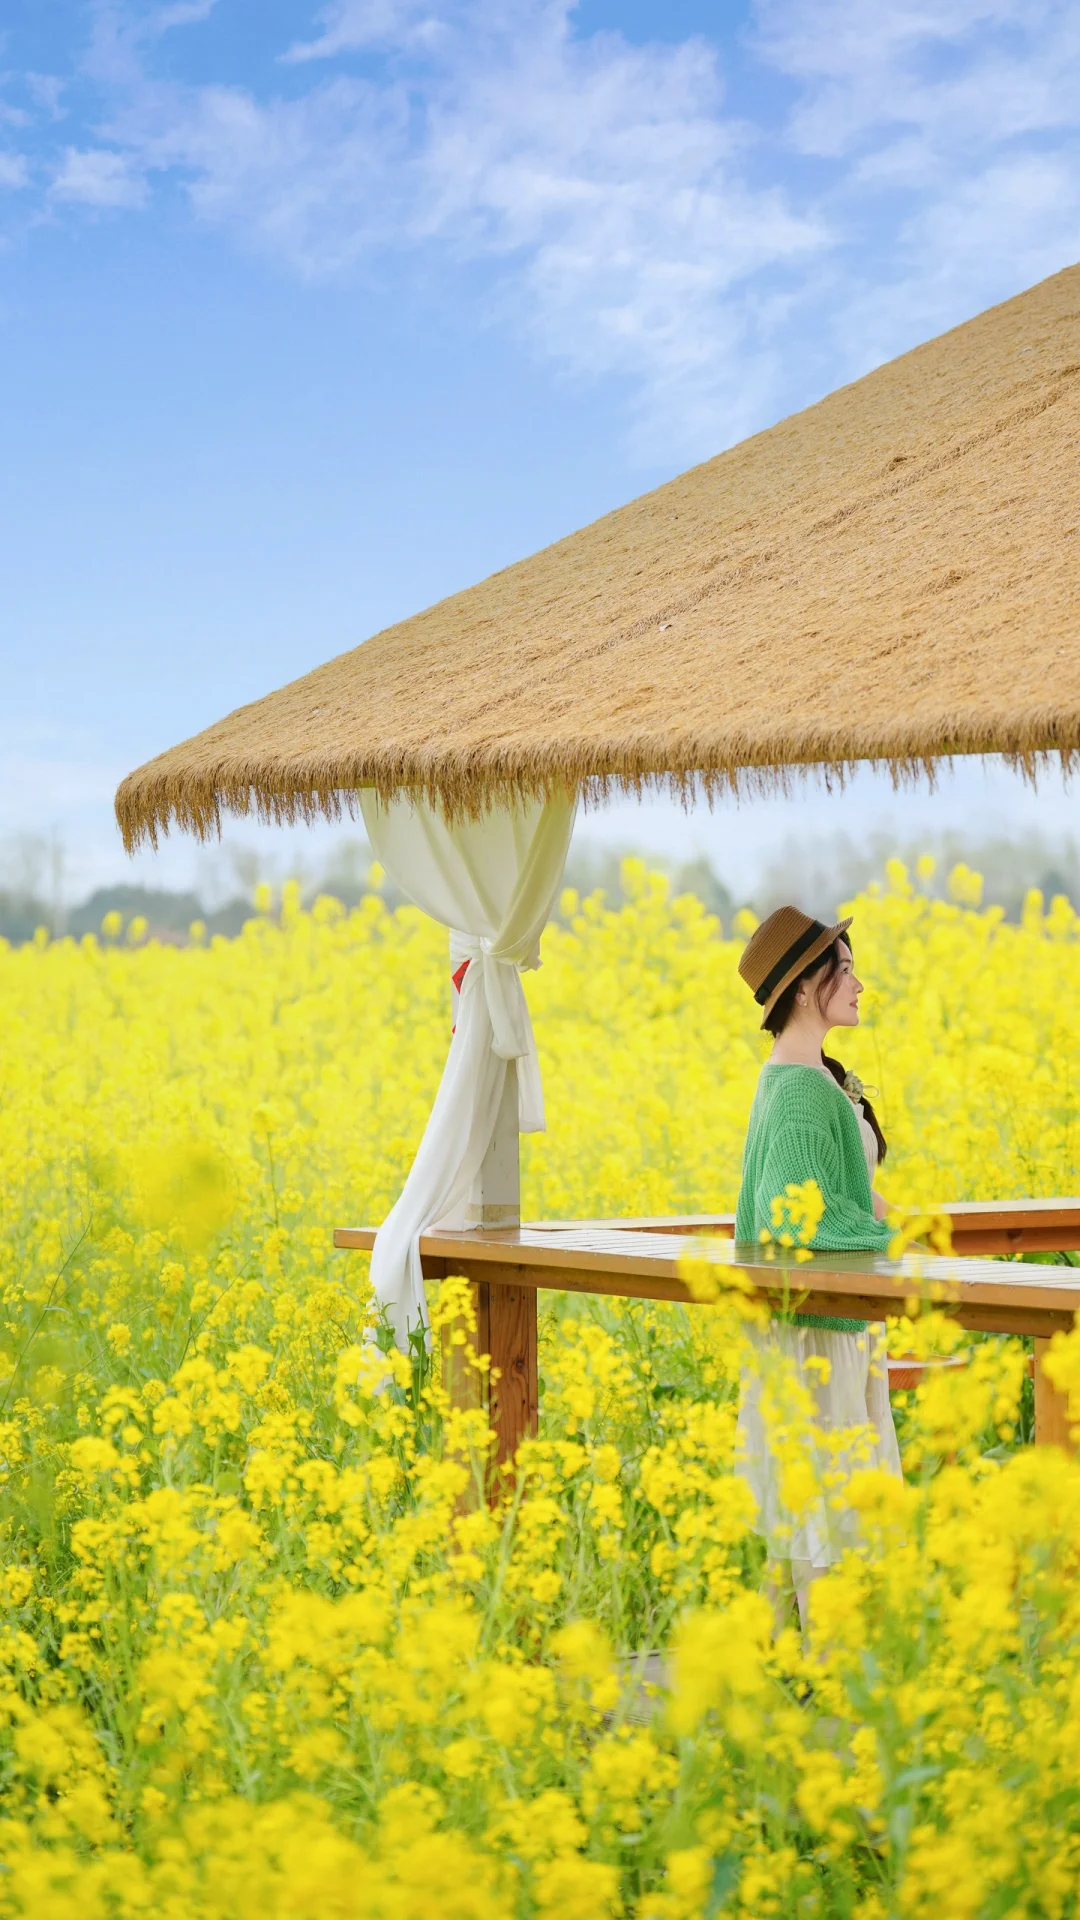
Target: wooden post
column 467, row 1388
column 515, row 1399
column 1051, row 1407
column 495, row 1200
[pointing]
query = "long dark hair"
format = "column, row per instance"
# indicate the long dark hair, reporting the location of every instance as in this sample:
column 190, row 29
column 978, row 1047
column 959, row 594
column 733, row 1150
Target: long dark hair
column 824, row 970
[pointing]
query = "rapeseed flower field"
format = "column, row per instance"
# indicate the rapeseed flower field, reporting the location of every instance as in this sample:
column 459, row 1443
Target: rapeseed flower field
column 265, row 1647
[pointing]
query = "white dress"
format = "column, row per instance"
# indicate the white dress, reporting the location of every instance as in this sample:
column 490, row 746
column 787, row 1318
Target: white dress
column 850, row 1408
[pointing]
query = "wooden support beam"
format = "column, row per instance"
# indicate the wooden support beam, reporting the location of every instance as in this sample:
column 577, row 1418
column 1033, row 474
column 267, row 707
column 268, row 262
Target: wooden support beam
column 989, row 1299
column 466, row 1387
column 1051, row 1407
column 515, row 1396
column 1037, row 1238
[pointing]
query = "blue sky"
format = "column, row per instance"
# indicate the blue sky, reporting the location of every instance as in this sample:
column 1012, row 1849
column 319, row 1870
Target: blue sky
column 312, row 314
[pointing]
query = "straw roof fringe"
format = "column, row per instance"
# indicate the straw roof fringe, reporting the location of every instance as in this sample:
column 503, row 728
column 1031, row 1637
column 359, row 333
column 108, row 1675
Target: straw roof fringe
column 892, row 576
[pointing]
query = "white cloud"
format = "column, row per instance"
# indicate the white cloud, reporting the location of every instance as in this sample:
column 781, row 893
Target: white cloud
column 98, row 178
column 951, row 150
column 604, row 183
column 1023, row 208
column 919, row 97
column 181, row 13
column 349, row 26
column 630, row 224
column 317, row 183
column 14, row 171
column 964, row 72
column 46, row 91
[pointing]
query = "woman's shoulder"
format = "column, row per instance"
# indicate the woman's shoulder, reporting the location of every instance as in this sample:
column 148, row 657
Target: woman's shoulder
column 794, row 1083
column 799, row 1094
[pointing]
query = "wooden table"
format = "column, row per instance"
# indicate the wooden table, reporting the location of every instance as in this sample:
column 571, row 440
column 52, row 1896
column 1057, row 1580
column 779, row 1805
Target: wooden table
column 639, row 1260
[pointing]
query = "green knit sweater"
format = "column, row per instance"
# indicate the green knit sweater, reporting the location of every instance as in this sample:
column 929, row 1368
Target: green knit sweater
column 804, row 1127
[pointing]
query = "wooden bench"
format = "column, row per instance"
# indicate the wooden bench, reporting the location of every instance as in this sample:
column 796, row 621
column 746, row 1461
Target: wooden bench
column 639, row 1260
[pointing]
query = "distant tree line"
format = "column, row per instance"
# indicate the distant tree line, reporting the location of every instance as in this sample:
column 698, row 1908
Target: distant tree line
column 819, row 874
column 168, row 915
column 825, row 872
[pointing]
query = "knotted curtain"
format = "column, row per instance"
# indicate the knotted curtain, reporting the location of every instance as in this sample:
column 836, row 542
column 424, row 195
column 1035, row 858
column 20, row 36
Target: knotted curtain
column 493, row 883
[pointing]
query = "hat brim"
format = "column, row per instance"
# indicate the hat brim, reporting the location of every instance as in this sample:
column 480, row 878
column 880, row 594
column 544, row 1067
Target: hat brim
column 805, row 960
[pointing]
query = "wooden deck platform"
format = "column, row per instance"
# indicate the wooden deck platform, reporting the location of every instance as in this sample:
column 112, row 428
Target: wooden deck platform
column 640, row 1260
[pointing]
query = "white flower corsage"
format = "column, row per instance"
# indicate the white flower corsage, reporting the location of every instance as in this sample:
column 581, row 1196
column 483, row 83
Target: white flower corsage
column 854, row 1088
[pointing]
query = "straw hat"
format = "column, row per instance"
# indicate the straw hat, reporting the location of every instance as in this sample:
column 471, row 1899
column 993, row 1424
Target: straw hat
column 780, row 949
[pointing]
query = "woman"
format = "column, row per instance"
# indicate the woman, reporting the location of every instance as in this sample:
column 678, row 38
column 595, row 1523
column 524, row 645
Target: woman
column 810, row 1121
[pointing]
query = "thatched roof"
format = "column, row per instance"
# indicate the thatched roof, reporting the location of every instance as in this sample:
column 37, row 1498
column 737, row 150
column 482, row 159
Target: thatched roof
column 893, row 576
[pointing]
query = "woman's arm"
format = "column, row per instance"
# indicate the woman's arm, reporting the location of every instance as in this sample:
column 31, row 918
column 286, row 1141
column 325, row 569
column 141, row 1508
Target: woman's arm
column 809, row 1153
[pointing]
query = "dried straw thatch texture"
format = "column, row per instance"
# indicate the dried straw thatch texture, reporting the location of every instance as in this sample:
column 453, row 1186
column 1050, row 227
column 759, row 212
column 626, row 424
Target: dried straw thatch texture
column 893, row 575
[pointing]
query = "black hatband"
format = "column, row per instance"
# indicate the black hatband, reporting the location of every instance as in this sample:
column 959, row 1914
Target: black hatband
column 805, row 940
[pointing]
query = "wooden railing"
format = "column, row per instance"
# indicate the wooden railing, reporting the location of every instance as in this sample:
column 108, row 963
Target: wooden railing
column 639, row 1259
column 978, row 1226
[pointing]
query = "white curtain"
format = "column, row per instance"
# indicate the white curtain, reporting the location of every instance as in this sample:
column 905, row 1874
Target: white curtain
column 493, row 882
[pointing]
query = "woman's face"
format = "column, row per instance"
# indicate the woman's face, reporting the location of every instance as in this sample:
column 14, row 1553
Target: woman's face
column 842, row 1006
